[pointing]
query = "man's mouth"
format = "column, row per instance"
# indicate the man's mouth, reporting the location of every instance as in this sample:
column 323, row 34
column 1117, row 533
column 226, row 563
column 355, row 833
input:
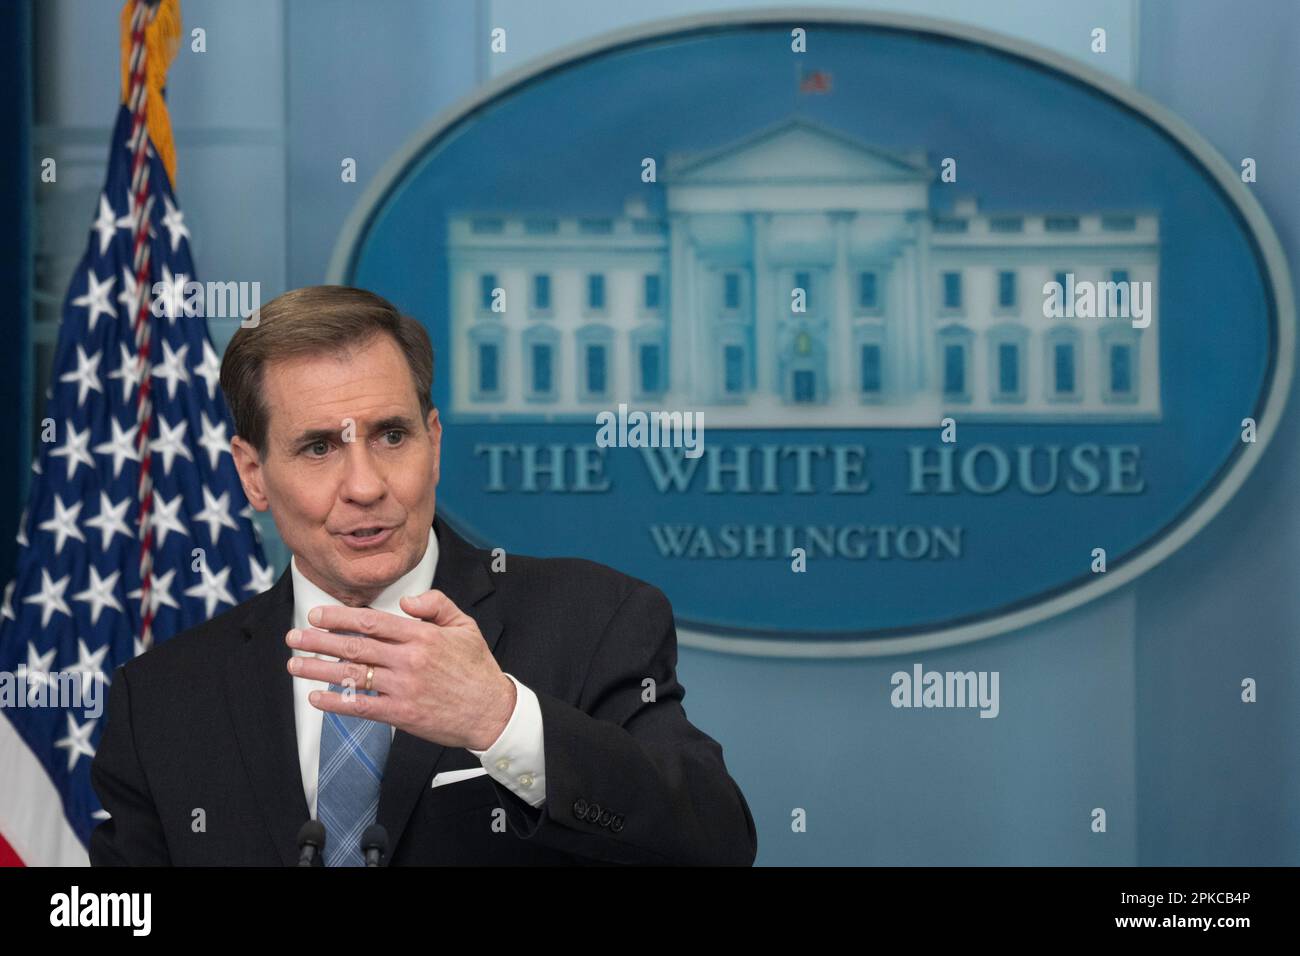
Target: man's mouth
column 362, row 537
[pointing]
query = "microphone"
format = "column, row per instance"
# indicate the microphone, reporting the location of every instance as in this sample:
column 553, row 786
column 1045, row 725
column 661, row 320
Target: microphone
column 311, row 843
column 374, row 844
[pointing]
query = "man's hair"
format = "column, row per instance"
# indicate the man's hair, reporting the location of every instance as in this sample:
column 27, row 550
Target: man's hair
column 315, row 320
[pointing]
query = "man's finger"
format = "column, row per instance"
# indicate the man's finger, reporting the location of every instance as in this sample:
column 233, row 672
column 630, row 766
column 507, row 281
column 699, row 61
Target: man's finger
column 435, row 607
column 359, row 705
column 347, row 647
column 364, row 620
column 345, row 673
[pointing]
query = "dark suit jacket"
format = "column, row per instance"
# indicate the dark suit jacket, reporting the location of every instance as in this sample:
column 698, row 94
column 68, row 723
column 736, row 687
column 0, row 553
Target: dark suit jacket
column 205, row 721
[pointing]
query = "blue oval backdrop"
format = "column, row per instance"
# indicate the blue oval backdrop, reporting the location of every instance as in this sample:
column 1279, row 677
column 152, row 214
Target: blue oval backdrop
column 823, row 256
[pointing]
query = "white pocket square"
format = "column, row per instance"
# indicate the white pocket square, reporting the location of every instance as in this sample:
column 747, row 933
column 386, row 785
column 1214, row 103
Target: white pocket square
column 453, row 776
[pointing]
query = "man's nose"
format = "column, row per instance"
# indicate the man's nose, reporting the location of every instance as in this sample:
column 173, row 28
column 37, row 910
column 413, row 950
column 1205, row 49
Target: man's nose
column 362, row 478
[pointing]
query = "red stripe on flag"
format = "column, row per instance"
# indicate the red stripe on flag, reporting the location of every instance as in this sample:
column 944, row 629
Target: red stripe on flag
column 7, row 855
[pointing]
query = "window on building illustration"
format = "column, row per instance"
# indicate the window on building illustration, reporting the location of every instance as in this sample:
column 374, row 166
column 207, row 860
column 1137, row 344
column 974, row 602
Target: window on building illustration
column 541, row 368
column 731, row 290
column 870, row 359
column 1008, row 368
column 596, row 369
column 805, row 386
column 1119, row 223
column 651, row 298
column 542, row 292
column 1119, row 275
column 954, row 370
column 596, row 291
column 1059, row 279
column 868, row 291
column 487, row 285
column 1121, row 369
column 1006, row 289
column 946, row 224
column 1063, row 368
column 952, row 290
column 488, row 377
column 1006, row 224
column 1061, row 224
column 733, row 358
column 803, row 280
column 649, row 357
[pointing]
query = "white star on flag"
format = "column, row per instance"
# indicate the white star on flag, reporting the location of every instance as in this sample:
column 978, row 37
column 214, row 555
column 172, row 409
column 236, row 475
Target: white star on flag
column 77, row 743
column 96, row 298
column 170, row 443
column 86, row 374
column 111, row 520
column 214, row 439
column 212, row 588
column 174, row 223
column 160, row 592
column 64, row 523
column 129, row 371
column 76, row 449
column 106, row 224
column 165, row 517
column 209, row 369
column 216, row 513
column 172, row 368
column 99, row 596
column 171, row 296
column 36, row 672
column 50, row 597
column 121, row 447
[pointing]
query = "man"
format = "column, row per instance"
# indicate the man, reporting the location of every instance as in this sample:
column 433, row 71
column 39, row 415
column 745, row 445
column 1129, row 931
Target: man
column 390, row 675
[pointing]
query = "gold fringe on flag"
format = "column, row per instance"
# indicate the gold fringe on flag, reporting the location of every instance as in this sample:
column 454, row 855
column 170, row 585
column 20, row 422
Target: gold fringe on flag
column 162, row 39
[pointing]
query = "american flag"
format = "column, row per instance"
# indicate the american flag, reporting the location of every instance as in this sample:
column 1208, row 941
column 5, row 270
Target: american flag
column 136, row 526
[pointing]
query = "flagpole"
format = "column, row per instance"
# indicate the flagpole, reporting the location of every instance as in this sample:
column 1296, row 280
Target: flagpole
column 141, row 203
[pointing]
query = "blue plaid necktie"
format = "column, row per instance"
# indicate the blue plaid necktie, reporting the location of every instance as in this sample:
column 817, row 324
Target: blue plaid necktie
column 353, row 751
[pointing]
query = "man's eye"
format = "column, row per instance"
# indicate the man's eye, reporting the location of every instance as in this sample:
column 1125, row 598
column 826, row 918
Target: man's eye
column 395, row 431
column 318, row 448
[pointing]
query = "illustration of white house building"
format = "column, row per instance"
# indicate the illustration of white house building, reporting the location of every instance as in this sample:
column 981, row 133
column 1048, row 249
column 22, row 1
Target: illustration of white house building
column 799, row 279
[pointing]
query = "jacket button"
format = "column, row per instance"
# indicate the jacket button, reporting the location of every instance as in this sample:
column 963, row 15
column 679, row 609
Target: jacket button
column 593, row 812
column 605, row 817
column 580, row 808
column 617, row 823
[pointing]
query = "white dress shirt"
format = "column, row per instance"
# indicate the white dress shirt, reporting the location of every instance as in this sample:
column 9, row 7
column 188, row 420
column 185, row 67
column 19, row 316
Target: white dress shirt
column 516, row 758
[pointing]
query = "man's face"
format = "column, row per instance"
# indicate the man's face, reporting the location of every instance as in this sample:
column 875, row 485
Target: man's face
column 325, row 481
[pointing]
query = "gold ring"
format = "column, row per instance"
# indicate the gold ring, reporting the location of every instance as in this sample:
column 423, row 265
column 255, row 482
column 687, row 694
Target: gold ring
column 370, row 676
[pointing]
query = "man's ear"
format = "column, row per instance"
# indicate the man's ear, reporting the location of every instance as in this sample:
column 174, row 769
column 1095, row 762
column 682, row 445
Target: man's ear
column 434, row 427
column 249, row 465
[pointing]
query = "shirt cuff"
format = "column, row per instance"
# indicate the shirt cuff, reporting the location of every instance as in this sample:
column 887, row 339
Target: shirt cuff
column 517, row 758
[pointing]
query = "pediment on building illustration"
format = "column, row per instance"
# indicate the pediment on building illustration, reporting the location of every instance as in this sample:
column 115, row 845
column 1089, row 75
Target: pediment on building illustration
column 796, row 149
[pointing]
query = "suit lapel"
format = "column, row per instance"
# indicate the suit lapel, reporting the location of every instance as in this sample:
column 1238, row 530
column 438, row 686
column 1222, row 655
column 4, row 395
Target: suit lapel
column 259, row 690
column 463, row 577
